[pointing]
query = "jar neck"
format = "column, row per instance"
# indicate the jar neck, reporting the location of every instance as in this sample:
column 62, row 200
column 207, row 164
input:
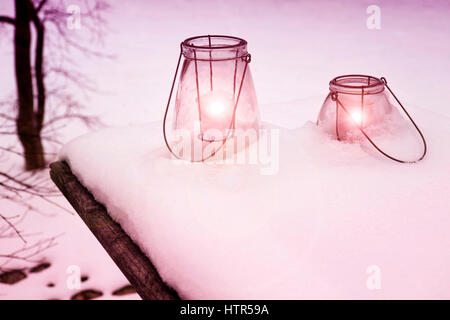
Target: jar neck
column 214, row 48
column 356, row 84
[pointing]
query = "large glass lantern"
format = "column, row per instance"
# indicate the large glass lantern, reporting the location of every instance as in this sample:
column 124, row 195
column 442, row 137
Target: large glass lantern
column 215, row 100
column 356, row 102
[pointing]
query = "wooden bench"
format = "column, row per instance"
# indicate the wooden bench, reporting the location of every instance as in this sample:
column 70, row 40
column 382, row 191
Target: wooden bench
column 134, row 264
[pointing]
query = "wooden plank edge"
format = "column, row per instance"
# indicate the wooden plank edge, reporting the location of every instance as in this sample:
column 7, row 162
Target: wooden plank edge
column 130, row 259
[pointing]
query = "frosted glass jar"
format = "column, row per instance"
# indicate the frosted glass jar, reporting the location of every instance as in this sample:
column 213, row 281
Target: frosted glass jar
column 215, row 98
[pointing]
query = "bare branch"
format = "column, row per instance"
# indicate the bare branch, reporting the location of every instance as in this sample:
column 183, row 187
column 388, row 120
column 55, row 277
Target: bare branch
column 9, row 20
column 28, row 252
column 40, row 6
column 19, row 234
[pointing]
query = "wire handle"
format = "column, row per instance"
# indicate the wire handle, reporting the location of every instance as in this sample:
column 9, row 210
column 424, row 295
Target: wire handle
column 168, row 105
column 247, row 59
column 334, row 97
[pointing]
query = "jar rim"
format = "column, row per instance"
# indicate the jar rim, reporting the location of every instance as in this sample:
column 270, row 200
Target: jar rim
column 357, row 84
column 214, row 45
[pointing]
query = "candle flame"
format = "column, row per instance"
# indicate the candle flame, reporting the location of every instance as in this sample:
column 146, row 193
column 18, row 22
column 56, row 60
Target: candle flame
column 216, row 107
column 357, row 116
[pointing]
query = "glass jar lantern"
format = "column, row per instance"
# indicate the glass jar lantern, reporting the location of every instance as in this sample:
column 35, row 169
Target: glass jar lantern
column 215, row 99
column 356, row 102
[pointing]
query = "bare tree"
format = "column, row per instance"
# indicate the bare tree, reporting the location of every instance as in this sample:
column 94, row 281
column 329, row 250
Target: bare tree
column 30, row 78
column 42, row 105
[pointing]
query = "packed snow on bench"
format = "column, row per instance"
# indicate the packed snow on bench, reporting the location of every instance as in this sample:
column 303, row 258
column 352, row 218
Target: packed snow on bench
column 334, row 220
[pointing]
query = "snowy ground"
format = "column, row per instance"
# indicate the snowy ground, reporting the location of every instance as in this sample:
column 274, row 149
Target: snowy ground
column 297, row 47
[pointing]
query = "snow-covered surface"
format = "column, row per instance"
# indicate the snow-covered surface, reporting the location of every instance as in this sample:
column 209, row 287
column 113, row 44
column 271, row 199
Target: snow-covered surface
column 296, row 47
column 310, row 230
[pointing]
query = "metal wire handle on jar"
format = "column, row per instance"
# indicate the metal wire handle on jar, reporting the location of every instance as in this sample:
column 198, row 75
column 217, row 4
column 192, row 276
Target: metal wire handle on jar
column 247, row 59
column 334, row 97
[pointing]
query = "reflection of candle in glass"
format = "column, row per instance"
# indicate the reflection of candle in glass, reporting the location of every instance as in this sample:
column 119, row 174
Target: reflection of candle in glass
column 216, row 113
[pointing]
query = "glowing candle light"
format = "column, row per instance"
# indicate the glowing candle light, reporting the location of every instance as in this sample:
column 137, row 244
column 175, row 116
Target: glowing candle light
column 216, row 109
column 357, row 116
column 217, row 104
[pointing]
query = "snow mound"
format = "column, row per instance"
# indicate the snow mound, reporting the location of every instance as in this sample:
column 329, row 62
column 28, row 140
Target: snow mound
column 325, row 220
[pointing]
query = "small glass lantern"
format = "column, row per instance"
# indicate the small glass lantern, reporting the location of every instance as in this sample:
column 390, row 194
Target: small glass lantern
column 356, row 102
column 215, row 99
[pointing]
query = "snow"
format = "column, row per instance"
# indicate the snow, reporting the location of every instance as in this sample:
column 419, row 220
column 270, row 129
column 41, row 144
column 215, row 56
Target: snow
column 297, row 47
column 309, row 230
column 75, row 248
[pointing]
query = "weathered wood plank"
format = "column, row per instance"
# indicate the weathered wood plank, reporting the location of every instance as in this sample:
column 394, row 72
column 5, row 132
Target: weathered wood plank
column 134, row 264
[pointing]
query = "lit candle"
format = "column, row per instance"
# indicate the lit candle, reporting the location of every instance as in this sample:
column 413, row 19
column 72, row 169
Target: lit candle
column 357, row 116
column 216, row 114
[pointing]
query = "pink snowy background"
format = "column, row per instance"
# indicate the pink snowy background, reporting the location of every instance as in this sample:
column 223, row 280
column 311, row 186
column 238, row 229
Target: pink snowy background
column 297, row 47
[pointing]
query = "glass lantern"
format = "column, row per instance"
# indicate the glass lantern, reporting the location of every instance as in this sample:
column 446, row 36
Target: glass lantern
column 356, row 102
column 215, row 100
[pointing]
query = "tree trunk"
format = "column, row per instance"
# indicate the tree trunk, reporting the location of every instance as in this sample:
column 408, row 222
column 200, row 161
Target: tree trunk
column 39, row 70
column 28, row 128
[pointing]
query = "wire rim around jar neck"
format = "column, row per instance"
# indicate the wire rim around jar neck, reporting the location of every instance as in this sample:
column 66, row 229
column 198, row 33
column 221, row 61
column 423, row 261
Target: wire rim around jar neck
column 214, row 48
column 356, row 84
